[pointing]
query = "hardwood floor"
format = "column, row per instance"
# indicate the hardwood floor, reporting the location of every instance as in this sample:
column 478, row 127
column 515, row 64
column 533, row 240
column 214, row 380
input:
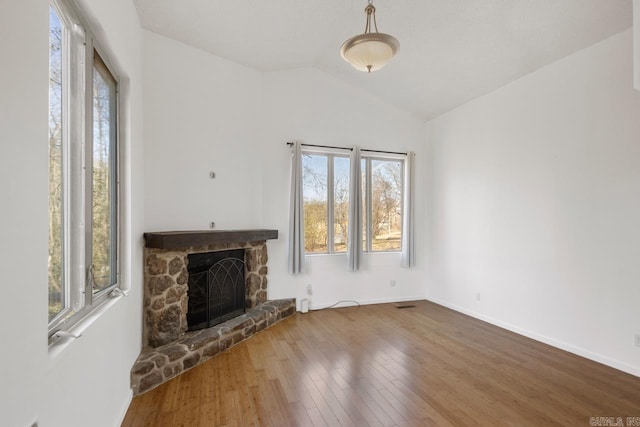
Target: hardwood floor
column 379, row 365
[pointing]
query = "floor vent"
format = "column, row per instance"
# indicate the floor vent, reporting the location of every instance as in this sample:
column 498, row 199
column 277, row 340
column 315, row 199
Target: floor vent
column 405, row 306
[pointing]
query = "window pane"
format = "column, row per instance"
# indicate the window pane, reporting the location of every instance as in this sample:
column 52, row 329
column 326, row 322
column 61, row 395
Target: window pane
column 57, row 294
column 314, row 190
column 104, row 218
column 341, row 203
column 386, row 205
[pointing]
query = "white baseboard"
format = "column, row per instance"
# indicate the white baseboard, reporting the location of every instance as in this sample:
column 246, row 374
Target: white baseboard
column 349, row 303
column 544, row 339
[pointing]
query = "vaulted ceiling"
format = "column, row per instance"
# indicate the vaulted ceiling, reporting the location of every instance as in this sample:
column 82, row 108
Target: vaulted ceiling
column 451, row 51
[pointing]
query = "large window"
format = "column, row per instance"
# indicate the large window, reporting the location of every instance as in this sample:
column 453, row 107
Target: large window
column 325, row 190
column 83, row 170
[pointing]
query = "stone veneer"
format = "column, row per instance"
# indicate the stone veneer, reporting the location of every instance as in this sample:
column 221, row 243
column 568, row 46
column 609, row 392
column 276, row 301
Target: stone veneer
column 165, row 286
column 158, row 365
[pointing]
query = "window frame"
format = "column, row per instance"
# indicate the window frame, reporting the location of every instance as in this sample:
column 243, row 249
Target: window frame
column 330, row 154
column 79, row 52
column 114, row 165
column 367, row 193
column 368, row 198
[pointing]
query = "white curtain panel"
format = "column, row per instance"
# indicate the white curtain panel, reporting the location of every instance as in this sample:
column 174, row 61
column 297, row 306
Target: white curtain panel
column 354, row 239
column 408, row 241
column 296, row 213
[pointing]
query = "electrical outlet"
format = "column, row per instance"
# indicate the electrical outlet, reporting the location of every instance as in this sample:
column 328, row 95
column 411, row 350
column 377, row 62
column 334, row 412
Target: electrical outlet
column 392, row 283
column 212, row 225
column 477, row 296
column 637, row 340
column 309, row 289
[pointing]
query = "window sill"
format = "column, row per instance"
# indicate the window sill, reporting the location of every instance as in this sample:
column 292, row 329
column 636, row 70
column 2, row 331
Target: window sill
column 325, row 254
column 58, row 344
column 344, row 253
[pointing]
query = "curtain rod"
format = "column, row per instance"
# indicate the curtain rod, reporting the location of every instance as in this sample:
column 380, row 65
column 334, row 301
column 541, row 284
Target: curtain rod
column 384, row 152
column 350, row 149
column 323, row 146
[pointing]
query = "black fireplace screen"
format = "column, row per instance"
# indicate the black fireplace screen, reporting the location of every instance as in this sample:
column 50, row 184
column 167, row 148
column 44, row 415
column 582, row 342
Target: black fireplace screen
column 216, row 288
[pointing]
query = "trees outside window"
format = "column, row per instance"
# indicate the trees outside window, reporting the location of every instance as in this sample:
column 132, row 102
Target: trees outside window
column 104, row 200
column 57, row 295
column 386, row 205
column 316, row 202
column 326, row 201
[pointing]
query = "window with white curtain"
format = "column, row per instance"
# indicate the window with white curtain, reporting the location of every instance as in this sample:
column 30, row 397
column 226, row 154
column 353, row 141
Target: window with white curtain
column 83, row 170
column 325, row 178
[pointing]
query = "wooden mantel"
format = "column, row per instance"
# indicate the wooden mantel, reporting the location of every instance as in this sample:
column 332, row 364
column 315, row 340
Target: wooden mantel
column 184, row 239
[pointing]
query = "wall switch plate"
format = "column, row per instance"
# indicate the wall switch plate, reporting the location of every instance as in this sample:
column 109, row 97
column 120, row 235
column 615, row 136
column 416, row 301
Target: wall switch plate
column 477, row 296
column 637, row 340
column 392, row 283
column 309, row 289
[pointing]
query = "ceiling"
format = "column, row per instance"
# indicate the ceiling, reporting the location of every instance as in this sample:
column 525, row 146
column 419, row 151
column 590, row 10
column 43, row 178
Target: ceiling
column 451, row 51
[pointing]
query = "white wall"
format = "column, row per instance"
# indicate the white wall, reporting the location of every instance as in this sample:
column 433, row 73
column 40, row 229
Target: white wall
column 536, row 207
column 205, row 113
column 87, row 383
column 202, row 114
column 24, row 194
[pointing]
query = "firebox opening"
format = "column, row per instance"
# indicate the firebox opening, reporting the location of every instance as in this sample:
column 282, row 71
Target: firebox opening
column 216, row 288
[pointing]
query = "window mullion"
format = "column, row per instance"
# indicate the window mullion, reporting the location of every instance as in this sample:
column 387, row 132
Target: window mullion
column 74, row 253
column 67, row 134
column 88, row 171
column 330, row 204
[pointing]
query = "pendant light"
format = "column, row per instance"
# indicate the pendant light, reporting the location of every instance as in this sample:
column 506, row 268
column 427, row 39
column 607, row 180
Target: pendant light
column 372, row 50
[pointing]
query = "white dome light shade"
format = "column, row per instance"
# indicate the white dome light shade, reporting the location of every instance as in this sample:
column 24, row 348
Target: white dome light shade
column 370, row 51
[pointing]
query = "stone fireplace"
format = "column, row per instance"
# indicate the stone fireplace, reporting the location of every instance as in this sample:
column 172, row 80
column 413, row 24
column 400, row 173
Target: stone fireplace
column 169, row 346
column 167, row 275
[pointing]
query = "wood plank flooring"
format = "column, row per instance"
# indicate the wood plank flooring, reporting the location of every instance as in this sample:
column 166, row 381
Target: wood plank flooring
column 379, row 365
